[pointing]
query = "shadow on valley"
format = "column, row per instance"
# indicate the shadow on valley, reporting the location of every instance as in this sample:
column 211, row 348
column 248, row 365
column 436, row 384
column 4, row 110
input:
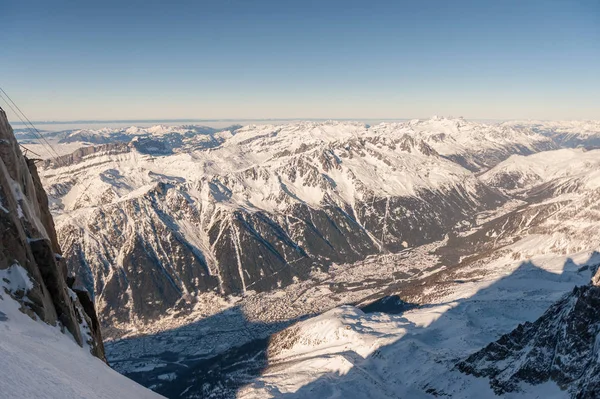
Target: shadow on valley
column 182, row 363
column 411, row 367
column 391, row 304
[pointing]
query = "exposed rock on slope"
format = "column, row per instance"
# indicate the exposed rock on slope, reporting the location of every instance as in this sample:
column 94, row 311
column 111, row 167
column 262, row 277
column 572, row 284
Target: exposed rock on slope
column 34, row 272
column 561, row 346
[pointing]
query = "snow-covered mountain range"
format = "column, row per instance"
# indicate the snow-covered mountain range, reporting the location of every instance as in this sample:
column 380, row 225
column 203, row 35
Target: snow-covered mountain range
column 564, row 133
column 526, row 268
column 267, row 206
column 223, row 238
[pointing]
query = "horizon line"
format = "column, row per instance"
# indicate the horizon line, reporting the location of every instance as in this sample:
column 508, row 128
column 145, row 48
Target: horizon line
column 76, row 121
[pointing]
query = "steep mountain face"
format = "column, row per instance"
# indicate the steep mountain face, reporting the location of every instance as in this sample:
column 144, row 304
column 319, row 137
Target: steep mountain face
column 561, row 346
column 29, row 247
column 50, row 340
column 567, row 169
column 269, row 206
column 38, row 360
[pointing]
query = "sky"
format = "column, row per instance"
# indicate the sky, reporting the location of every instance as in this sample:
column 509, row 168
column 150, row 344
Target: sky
column 230, row 59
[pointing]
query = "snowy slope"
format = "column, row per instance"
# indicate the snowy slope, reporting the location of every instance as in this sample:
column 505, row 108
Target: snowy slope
column 578, row 166
column 39, row 361
column 476, row 146
column 50, row 341
column 347, row 353
column 564, row 133
column 560, row 347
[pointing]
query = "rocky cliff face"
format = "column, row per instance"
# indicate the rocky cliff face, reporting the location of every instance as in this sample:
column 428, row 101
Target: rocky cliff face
column 561, row 346
column 33, row 270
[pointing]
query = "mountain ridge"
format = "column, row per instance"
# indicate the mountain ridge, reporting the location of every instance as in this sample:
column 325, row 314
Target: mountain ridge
column 282, row 200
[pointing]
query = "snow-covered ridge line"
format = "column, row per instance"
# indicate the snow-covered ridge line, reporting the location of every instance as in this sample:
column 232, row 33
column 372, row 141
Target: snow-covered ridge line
column 449, row 136
column 564, row 133
column 581, row 127
column 519, row 172
column 386, row 149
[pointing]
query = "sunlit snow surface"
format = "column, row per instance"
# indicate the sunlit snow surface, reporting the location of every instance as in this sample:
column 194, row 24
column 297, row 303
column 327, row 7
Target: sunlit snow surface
column 39, row 361
column 271, row 151
column 345, row 353
column 570, row 166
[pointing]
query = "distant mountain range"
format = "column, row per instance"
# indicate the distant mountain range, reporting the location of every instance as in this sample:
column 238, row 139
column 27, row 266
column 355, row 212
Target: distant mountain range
column 247, row 229
column 158, row 214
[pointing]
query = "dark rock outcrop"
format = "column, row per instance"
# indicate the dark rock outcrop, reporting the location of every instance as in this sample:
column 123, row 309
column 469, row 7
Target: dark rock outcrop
column 561, row 346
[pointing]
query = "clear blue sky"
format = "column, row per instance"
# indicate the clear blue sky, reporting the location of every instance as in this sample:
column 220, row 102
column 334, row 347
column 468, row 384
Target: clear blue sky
column 66, row 60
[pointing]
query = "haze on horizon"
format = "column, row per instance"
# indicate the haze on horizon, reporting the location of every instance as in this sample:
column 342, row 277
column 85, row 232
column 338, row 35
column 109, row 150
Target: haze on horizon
column 236, row 59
